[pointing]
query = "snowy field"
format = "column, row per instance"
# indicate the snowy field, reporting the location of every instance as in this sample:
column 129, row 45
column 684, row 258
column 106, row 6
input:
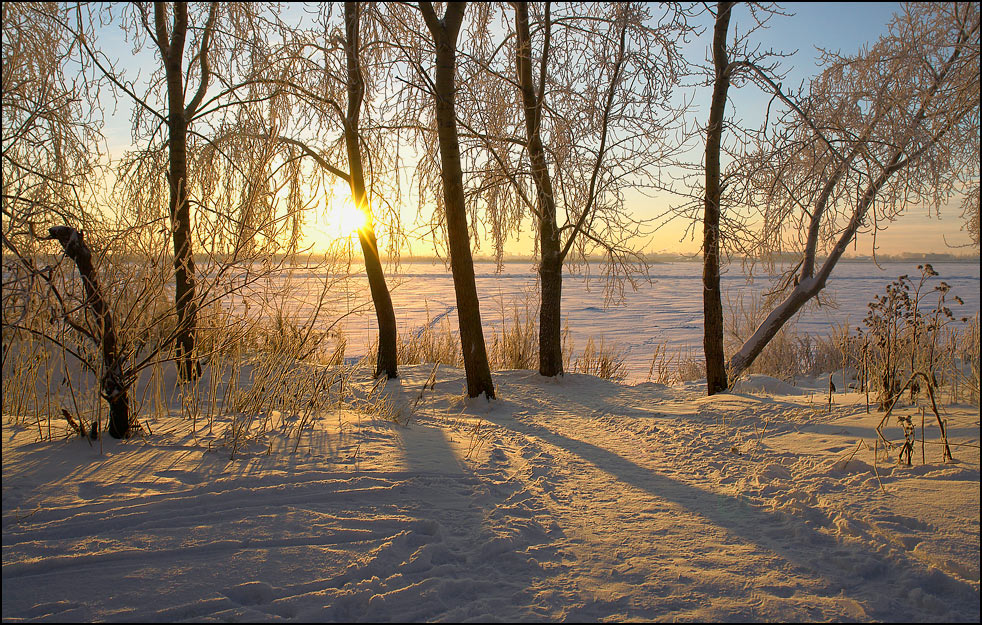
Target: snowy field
column 573, row 499
column 666, row 311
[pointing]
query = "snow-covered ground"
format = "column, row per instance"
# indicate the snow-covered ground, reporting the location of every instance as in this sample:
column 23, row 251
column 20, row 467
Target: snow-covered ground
column 572, row 499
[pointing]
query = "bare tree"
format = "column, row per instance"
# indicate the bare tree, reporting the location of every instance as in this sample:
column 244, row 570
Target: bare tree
column 712, row 301
column 384, row 312
column 171, row 117
column 314, row 85
column 50, row 144
column 732, row 63
column 170, row 40
column 894, row 126
column 970, row 213
column 444, row 32
column 594, row 85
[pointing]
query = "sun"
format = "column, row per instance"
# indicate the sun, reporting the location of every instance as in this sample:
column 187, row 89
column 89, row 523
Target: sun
column 341, row 218
column 335, row 218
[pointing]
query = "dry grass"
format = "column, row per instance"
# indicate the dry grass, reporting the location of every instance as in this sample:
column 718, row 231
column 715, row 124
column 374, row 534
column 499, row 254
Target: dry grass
column 602, row 359
column 263, row 339
column 675, row 367
column 514, row 346
column 963, row 372
column 791, row 354
column 436, row 343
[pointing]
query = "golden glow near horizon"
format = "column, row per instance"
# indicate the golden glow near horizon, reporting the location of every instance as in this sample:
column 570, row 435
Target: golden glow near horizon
column 336, row 218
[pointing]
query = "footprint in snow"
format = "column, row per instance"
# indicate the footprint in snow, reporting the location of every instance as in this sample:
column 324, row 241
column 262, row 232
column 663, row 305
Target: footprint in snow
column 497, row 456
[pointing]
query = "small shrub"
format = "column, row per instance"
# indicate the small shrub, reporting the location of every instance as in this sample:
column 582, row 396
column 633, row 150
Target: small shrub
column 904, row 336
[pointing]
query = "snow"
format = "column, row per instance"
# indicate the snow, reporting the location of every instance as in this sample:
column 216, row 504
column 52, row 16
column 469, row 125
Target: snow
column 758, row 383
column 667, row 311
column 564, row 499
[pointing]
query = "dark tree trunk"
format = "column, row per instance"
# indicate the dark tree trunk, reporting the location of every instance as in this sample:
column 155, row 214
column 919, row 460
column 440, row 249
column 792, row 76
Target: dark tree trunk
column 550, row 313
column 476, row 366
column 712, row 302
column 384, row 313
column 551, row 259
column 172, row 50
column 113, row 379
column 386, row 362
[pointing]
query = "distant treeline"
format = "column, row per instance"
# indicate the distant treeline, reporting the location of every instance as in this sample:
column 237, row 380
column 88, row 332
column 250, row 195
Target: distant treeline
column 651, row 258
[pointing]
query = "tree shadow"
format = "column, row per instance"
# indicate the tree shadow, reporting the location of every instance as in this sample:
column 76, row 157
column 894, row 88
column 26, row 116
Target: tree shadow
column 847, row 568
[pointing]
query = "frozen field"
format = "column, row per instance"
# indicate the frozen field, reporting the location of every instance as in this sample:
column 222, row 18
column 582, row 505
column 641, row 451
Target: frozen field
column 668, row 310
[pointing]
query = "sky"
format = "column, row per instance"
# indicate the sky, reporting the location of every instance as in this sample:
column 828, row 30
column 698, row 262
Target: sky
column 835, row 26
column 845, row 27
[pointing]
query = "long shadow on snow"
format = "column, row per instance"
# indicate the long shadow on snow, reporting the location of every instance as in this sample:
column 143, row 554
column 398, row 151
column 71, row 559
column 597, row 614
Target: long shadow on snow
column 472, row 566
column 825, row 555
column 447, row 542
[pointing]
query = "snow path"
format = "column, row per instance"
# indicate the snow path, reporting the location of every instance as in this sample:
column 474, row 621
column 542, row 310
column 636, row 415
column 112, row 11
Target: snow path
column 577, row 499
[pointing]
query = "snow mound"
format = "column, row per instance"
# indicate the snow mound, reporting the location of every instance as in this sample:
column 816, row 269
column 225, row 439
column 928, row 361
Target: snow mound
column 774, row 471
column 757, row 383
column 852, row 465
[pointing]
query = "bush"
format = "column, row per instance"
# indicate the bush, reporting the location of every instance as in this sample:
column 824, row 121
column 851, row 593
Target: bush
column 903, row 338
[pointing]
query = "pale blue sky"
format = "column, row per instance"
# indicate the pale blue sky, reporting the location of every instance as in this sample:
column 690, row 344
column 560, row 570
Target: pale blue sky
column 835, row 26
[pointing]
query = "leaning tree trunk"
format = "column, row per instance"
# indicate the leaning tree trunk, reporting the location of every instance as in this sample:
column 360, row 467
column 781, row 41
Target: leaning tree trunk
column 476, row 367
column 113, row 379
column 767, row 330
column 811, row 284
column 711, row 300
column 384, row 312
column 172, row 50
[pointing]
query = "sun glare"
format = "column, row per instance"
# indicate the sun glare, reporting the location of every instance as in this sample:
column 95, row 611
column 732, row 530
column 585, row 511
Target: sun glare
column 341, row 218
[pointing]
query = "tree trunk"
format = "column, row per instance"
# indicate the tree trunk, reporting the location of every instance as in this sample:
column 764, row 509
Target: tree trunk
column 476, row 367
column 551, row 259
column 772, row 324
column 712, row 302
column 386, row 362
column 172, row 50
column 113, row 379
column 550, row 321
column 385, row 314
column 810, row 285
